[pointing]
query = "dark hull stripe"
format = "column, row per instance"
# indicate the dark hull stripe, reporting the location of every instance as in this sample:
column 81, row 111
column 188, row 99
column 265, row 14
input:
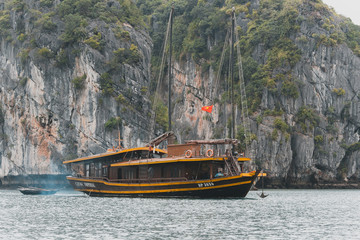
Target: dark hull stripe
column 237, row 186
column 239, row 191
column 162, row 190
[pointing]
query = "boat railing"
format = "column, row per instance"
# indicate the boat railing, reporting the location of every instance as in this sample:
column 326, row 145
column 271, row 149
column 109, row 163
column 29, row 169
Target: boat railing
column 210, row 152
column 203, row 153
column 137, row 180
column 148, row 180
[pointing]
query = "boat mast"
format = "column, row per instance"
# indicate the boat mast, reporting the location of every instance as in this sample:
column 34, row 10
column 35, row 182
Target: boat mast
column 169, row 67
column 244, row 107
column 232, row 73
column 160, row 77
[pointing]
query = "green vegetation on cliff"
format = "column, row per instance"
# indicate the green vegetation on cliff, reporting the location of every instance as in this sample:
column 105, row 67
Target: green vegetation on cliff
column 307, row 118
column 53, row 34
column 270, row 39
column 199, row 32
column 57, row 36
column 113, row 123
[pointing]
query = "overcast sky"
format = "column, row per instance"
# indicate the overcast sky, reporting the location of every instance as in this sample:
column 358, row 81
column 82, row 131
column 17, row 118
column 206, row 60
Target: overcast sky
column 347, row 8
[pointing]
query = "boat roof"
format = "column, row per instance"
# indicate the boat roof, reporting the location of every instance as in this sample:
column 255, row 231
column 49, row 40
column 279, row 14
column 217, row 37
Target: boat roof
column 113, row 153
column 214, row 141
column 170, row 160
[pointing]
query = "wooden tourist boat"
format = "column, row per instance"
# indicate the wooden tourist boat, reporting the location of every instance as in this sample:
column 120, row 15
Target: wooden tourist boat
column 198, row 168
column 184, row 170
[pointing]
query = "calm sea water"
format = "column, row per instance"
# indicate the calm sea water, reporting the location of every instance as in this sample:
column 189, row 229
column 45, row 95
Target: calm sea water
column 284, row 214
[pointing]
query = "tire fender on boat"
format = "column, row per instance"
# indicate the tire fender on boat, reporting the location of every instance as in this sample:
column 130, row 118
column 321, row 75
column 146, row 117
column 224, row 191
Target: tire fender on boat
column 188, row 154
column 210, row 153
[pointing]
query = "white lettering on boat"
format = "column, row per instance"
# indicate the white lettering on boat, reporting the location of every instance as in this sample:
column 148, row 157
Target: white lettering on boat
column 85, row 184
column 79, row 184
column 207, row 184
column 91, row 185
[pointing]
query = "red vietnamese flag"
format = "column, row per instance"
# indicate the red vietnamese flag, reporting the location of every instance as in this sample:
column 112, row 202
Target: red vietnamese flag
column 207, row 108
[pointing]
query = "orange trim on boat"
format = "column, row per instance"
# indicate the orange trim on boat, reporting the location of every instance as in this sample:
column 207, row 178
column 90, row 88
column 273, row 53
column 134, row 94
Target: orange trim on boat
column 162, row 161
column 164, row 190
column 168, row 160
column 249, row 174
column 107, row 154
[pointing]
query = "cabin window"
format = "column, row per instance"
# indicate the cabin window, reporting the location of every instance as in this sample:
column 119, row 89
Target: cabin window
column 99, row 170
column 150, row 172
column 96, row 172
column 129, row 173
column 105, row 171
column 175, row 172
column 92, row 169
column 152, row 154
column 131, row 155
column 126, row 156
column 119, row 173
column 204, row 172
column 157, row 155
column 162, row 171
column 144, row 154
column 143, row 172
column 119, row 158
column 136, row 155
column 87, row 170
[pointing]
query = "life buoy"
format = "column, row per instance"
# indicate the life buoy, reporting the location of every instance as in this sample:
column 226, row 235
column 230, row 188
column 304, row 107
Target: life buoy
column 188, row 154
column 210, row 153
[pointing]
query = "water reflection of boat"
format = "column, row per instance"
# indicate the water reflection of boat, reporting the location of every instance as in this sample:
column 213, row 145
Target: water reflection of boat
column 36, row 191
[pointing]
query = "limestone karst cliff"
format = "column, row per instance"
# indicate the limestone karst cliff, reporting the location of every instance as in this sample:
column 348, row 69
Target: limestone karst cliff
column 301, row 68
column 72, row 72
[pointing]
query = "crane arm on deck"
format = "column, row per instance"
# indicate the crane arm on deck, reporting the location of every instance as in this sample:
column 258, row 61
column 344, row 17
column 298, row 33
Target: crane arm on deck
column 156, row 141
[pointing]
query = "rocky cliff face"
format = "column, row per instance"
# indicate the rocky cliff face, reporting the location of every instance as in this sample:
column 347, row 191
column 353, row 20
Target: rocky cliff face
column 305, row 139
column 57, row 96
column 328, row 83
column 62, row 97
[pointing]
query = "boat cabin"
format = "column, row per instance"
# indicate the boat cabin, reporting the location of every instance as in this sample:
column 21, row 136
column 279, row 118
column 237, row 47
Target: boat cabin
column 167, row 169
column 194, row 160
column 98, row 165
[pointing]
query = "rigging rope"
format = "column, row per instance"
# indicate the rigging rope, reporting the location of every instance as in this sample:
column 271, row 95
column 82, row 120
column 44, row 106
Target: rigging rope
column 158, row 85
column 216, row 82
column 244, row 108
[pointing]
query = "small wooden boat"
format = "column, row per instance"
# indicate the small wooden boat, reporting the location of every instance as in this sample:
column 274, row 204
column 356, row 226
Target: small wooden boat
column 36, row 191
